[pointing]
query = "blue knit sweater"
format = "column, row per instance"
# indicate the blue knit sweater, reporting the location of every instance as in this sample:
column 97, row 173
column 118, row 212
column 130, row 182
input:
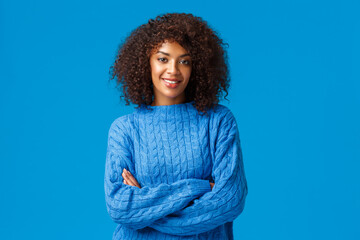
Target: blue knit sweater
column 174, row 153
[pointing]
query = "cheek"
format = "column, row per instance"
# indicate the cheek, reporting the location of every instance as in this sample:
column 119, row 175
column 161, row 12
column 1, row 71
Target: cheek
column 187, row 73
column 156, row 70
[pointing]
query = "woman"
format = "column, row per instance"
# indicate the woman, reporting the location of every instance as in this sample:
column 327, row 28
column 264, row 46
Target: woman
column 174, row 167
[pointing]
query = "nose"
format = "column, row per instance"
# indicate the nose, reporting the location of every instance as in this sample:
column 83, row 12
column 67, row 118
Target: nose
column 172, row 67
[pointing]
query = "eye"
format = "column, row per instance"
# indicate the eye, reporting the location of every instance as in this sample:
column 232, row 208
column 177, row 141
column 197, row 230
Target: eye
column 162, row 59
column 186, row 62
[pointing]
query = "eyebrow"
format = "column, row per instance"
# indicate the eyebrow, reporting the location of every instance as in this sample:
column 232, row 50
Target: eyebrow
column 186, row 54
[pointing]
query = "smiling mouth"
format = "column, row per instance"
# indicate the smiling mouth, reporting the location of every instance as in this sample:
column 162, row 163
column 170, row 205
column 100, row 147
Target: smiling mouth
column 170, row 83
column 170, row 80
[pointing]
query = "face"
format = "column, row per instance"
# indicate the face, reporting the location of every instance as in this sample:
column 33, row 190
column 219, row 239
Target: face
column 170, row 73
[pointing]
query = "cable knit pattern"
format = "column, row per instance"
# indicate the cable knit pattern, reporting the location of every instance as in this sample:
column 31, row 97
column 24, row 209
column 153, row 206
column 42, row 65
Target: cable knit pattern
column 173, row 152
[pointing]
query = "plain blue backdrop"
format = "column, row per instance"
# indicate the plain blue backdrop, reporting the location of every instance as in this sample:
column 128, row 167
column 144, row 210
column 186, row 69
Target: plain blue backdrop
column 295, row 93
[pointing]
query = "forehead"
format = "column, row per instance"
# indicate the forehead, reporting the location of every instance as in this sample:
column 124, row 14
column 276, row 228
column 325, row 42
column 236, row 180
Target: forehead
column 172, row 48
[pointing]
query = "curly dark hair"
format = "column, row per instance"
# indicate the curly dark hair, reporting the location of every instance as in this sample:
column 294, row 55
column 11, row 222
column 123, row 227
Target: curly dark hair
column 209, row 74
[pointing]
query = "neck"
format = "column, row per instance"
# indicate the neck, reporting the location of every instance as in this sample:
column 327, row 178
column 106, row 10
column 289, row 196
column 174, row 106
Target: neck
column 161, row 102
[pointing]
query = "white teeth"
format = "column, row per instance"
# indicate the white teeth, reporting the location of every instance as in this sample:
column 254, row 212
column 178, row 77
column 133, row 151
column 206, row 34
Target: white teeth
column 170, row 81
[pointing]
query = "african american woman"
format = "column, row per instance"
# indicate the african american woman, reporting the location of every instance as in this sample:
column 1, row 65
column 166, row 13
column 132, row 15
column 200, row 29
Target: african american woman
column 174, row 167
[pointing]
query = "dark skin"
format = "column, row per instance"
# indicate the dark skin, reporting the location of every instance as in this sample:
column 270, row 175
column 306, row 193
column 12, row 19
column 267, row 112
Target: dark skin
column 129, row 179
column 210, row 73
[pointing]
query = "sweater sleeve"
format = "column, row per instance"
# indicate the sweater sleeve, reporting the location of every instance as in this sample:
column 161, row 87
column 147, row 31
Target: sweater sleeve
column 226, row 200
column 134, row 207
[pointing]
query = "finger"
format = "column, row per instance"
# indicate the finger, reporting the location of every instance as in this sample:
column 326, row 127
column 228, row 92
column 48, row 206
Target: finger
column 126, row 179
column 132, row 179
column 124, row 175
column 137, row 185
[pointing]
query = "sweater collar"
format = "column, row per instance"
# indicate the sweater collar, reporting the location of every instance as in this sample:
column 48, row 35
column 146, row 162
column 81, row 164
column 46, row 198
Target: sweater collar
column 164, row 109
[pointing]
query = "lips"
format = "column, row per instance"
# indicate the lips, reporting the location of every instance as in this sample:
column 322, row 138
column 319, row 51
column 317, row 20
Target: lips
column 172, row 79
column 170, row 85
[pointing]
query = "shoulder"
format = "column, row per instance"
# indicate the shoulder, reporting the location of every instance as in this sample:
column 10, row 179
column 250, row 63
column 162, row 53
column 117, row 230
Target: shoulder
column 121, row 125
column 120, row 121
column 221, row 112
column 222, row 120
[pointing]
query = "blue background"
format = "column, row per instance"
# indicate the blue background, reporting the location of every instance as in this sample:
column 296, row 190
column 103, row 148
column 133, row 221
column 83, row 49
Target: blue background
column 295, row 93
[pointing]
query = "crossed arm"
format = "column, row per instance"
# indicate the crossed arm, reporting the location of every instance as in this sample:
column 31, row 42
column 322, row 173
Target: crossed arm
column 186, row 207
column 130, row 180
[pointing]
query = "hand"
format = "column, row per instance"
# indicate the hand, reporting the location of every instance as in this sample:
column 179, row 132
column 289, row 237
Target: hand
column 212, row 185
column 129, row 179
